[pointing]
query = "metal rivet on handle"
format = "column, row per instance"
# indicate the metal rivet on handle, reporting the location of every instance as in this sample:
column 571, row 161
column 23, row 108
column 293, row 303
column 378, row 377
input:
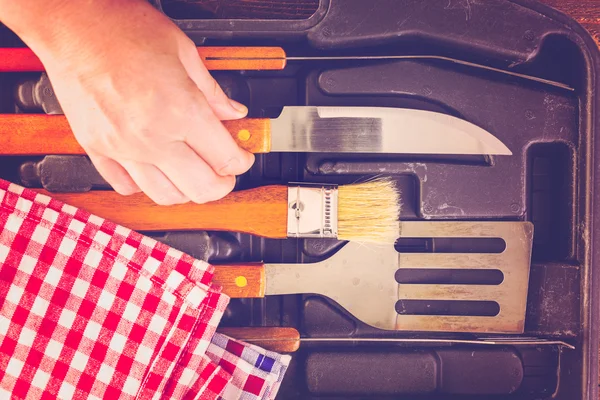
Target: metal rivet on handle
column 241, row 281
column 244, row 135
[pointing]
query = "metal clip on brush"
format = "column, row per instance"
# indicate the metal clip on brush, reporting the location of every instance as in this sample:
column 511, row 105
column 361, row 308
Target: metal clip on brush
column 312, row 211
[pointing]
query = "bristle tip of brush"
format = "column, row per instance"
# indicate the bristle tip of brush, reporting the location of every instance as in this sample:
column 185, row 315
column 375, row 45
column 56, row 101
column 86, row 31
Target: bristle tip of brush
column 369, row 211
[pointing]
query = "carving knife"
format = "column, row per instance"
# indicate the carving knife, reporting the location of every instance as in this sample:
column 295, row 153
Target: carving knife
column 297, row 129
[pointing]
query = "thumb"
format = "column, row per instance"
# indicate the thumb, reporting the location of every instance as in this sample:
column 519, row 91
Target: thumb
column 223, row 107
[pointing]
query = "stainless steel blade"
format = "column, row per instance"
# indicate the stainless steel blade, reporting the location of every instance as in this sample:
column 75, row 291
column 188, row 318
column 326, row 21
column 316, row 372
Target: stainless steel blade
column 379, row 130
column 500, row 341
column 510, row 294
column 361, row 278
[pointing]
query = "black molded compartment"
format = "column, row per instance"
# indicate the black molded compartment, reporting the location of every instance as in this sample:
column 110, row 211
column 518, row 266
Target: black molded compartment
column 549, row 180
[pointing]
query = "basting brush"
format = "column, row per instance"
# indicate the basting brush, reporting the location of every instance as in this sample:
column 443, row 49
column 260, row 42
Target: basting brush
column 365, row 212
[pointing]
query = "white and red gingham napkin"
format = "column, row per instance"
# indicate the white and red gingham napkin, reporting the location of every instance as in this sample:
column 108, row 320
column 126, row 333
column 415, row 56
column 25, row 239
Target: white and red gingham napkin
column 92, row 310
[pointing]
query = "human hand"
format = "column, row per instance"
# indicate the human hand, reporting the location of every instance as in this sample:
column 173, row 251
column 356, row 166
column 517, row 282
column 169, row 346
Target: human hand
column 141, row 103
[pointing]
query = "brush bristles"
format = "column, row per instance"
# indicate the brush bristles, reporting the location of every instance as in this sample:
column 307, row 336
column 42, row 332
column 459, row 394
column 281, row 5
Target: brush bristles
column 369, row 212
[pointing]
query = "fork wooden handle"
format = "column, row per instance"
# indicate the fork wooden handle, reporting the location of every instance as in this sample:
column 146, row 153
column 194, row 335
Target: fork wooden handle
column 38, row 134
column 215, row 58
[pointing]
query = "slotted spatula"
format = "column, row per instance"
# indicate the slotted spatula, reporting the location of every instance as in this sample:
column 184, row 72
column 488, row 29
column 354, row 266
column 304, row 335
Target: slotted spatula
column 361, row 278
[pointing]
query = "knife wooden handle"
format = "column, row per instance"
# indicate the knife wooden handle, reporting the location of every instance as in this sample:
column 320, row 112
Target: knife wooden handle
column 260, row 211
column 241, row 280
column 38, row 134
column 279, row 339
column 215, row 58
column 251, row 134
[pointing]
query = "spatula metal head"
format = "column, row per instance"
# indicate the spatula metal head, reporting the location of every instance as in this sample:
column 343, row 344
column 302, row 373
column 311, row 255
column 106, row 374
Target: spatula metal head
column 361, row 278
column 510, row 294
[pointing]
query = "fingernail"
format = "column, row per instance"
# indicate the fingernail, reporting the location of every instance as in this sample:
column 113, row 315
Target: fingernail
column 242, row 109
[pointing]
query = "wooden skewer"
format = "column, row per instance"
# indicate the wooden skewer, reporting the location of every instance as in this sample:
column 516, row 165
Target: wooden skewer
column 215, row 58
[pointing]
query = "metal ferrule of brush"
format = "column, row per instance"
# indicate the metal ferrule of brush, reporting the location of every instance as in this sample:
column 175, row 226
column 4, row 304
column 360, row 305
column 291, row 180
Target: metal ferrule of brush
column 312, row 211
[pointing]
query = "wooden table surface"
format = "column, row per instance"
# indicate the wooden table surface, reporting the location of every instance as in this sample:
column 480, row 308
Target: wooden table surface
column 586, row 12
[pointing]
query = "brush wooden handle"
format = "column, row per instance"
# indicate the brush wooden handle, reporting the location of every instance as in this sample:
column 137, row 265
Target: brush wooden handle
column 215, row 58
column 281, row 340
column 37, row 134
column 261, row 211
column 241, row 280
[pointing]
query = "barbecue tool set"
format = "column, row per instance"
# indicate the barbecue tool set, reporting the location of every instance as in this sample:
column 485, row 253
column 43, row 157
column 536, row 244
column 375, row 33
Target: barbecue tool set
column 361, row 276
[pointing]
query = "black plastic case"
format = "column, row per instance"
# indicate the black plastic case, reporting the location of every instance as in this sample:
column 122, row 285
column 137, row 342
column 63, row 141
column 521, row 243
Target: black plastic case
column 550, row 180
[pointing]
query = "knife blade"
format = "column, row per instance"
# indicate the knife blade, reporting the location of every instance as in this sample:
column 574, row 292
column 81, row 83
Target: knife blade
column 297, row 129
column 379, row 130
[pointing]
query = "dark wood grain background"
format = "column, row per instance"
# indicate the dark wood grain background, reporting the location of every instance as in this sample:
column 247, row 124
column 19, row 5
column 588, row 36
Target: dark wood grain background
column 586, row 12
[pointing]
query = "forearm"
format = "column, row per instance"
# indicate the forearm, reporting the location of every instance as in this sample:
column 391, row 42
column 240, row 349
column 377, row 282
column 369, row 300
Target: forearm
column 57, row 29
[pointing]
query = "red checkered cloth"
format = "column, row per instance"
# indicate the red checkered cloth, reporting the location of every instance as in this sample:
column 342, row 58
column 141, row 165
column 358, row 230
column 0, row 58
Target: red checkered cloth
column 90, row 309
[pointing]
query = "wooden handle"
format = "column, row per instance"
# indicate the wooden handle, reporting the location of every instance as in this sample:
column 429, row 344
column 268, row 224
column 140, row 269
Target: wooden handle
column 261, row 211
column 241, row 281
column 215, row 58
column 251, row 134
column 36, row 134
column 281, row 340
column 238, row 58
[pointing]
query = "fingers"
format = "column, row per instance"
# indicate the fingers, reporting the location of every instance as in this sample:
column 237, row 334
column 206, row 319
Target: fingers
column 182, row 177
column 213, row 142
column 215, row 145
column 223, row 107
column 193, row 176
column 154, row 183
column 114, row 174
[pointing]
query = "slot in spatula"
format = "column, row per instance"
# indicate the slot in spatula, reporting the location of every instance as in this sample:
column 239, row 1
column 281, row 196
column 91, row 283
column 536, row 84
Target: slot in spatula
column 361, row 278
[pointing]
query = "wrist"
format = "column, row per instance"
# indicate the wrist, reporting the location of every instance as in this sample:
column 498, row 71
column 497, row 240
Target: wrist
column 41, row 24
column 64, row 32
